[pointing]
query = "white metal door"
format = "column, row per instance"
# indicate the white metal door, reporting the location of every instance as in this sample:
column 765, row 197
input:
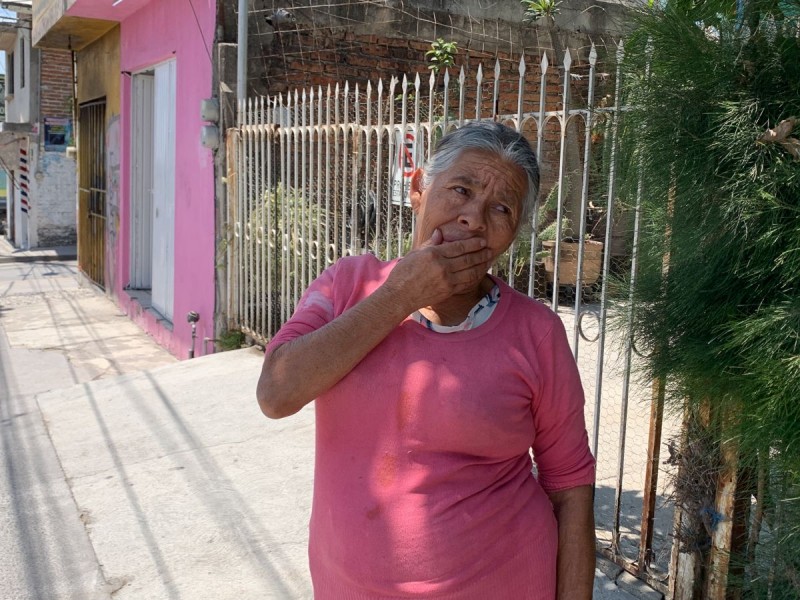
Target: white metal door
column 164, row 189
column 142, row 128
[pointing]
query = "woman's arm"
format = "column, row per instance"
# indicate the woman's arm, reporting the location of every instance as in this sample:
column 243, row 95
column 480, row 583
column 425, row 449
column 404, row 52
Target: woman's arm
column 300, row 370
column 574, row 512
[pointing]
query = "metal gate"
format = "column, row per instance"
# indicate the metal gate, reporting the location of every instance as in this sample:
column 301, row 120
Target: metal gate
column 92, row 191
column 323, row 173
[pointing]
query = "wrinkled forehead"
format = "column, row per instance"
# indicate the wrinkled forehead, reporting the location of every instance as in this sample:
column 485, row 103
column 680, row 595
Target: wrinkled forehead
column 486, row 170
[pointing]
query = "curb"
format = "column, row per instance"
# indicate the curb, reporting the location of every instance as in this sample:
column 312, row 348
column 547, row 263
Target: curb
column 37, row 258
column 10, row 254
column 627, row 582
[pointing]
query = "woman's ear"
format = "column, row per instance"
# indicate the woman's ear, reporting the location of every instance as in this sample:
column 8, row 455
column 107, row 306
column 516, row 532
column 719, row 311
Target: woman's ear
column 415, row 190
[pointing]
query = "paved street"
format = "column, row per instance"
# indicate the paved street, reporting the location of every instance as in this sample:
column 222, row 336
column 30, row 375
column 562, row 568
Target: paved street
column 127, row 472
column 54, row 333
column 46, row 552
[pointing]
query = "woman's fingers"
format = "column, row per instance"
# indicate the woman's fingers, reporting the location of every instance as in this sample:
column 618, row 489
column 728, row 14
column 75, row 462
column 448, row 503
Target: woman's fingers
column 460, row 247
column 439, row 269
column 467, row 278
column 481, row 259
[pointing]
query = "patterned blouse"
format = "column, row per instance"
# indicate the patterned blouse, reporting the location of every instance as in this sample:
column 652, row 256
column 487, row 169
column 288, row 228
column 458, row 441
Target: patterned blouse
column 477, row 316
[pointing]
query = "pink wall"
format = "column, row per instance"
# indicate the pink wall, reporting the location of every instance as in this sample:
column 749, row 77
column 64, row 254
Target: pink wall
column 158, row 31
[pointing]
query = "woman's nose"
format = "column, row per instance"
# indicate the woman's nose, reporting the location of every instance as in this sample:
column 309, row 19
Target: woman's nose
column 472, row 218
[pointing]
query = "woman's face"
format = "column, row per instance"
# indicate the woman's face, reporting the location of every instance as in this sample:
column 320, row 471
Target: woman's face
column 481, row 195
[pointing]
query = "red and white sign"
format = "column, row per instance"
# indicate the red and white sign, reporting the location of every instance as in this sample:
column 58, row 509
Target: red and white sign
column 404, row 167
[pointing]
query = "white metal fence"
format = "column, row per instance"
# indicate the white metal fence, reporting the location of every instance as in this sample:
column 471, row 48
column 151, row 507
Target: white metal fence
column 323, row 172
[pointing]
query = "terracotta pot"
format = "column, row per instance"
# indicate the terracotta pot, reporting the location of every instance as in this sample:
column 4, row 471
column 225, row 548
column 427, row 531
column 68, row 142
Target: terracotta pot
column 568, row 262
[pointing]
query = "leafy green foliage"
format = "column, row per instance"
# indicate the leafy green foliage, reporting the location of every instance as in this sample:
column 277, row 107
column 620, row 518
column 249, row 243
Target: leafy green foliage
column 540, row 9
column 723, row 210
column 441, row 55
column 233, row 339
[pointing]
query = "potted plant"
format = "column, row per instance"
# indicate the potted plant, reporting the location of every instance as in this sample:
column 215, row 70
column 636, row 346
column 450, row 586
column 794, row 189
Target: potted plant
column 568, row 250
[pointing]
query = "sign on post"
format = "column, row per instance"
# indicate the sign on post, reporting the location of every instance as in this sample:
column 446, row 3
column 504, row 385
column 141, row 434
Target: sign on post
column 404, row 165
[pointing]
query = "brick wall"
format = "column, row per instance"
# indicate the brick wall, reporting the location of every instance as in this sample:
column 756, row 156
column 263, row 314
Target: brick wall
column 292, row 59
column 56, row 86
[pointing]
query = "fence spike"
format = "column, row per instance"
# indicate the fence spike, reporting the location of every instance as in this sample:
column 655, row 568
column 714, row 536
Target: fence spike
column 358, row 104
column 380, row 87
column 416, row 83
column 461, row 77
column 368, row 103
column 545, row 62
column 567, row 60
column 431, row 80
column 479, row 76
column 496, row 93
column 445, row 98
column 404, row 86
column 593, row 55
column 319, row 102
column 520, row 92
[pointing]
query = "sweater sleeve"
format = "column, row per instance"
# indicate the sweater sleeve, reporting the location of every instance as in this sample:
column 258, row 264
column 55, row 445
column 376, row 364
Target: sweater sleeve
column 315, row 309
column 560, row 445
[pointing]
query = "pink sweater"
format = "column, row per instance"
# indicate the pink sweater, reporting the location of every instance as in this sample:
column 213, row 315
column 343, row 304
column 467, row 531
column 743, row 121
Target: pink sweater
column 423, row 485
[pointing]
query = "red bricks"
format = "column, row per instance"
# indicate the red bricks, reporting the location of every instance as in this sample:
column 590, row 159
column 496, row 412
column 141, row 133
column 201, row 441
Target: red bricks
column 325, row 56
column 56, row 83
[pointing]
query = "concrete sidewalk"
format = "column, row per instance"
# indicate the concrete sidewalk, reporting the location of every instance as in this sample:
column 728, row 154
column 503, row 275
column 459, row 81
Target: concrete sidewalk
column 187, row 491
column 10, row 254
column 151, row 479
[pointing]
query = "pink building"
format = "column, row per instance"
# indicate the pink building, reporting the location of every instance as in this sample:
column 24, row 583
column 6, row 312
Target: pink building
column 146, row 191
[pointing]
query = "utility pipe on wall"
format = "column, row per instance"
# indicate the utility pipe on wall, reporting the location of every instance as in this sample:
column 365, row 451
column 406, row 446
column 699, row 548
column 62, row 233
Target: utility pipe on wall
column 241, row 57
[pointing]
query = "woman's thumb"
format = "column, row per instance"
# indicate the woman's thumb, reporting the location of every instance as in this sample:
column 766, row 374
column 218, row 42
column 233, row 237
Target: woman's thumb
column 436, row 238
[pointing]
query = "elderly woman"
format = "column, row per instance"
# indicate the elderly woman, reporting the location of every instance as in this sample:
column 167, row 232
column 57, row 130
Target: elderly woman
column 433, row 382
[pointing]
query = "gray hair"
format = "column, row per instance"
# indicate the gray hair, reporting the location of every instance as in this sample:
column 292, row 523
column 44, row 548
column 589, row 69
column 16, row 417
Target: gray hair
column 492, row 137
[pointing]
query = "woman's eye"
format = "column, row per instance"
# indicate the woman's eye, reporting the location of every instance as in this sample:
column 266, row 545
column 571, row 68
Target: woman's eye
column 460, row 190
column 503, row 208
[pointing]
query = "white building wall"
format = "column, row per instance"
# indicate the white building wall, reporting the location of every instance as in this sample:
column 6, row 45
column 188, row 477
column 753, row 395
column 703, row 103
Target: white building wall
column 18, row 103
column 52, row 216
column 51, row 176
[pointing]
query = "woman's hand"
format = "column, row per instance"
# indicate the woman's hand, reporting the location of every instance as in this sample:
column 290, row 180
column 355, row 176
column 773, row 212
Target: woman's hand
column 298, row 371
column 438, row 270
